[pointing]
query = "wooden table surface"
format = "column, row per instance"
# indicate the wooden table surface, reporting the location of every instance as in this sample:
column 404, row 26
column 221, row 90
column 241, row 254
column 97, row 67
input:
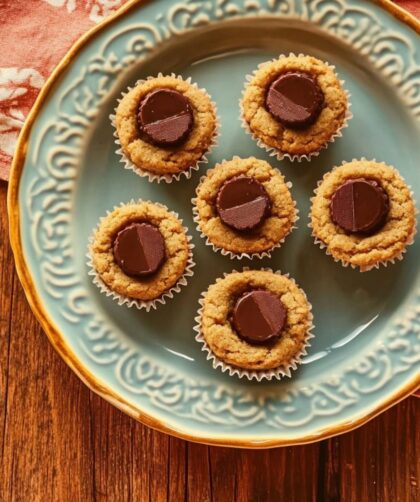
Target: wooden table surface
column 60, row 442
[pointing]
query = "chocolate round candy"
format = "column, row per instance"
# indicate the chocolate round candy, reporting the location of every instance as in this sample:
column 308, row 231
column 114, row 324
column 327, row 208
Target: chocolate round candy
column 242, row 203
column 295, row 99
column 259, row 316
column 359, row 206
column 165, row 117
column 139, row 249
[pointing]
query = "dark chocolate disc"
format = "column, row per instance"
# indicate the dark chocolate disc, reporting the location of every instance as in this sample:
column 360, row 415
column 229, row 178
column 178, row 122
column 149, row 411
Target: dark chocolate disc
column 295, row 99
column 259, row 316
column 242, row 203
column 359, row 205
column 165, row 117
column 139, row 249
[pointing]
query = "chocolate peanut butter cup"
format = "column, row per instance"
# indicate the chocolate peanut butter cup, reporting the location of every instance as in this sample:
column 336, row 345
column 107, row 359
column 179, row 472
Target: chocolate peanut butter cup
column 139, row 249
column 295, row 99
column 243, row 203
column 359, row 206
column 165, row 117
column 259, row 316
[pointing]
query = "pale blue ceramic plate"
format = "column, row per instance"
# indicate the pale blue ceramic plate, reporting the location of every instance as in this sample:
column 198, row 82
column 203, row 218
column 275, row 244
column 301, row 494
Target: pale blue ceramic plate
column 365, row 355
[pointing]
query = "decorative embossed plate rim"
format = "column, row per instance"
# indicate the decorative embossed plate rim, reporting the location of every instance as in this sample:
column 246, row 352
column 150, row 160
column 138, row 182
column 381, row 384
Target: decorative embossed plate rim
column 57, row 338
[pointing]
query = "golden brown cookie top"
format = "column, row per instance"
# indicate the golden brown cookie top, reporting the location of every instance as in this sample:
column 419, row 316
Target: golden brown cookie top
column 176, row 252
column 361, row 249
column 166, row 159
column 273, row 228
column 224, row 341
column 270, row 130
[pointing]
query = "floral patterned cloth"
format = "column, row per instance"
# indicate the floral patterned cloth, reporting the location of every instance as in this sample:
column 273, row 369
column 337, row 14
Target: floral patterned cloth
column 34, row 36
column 48, row 28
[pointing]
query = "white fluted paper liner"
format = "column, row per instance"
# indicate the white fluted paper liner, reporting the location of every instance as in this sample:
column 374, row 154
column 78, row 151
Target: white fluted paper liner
column 132, row 302
column 259, row 375
column 274, row 152
column 241, row 256
column 167, row 178
column 323, row 246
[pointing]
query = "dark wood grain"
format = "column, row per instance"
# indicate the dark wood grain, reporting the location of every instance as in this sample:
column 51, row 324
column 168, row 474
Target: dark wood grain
column 60, row 442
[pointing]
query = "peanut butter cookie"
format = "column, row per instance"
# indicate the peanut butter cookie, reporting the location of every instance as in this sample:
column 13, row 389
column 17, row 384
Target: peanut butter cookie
column 294, row 106
column 255, row 320
column 363, row 213
column 139, row 252
column 244, row 207
column 165, row 126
